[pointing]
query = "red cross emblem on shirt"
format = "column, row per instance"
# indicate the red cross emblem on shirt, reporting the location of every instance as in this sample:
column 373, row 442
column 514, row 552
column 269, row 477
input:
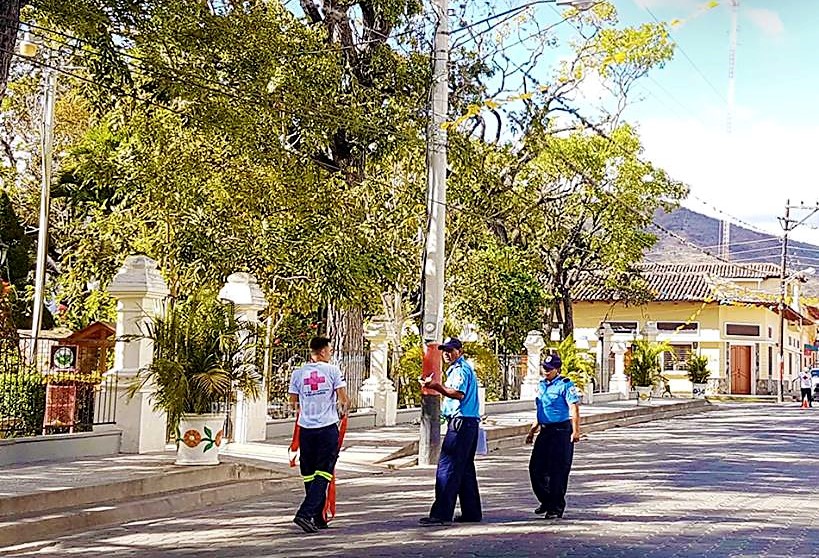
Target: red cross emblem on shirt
column 314, row 380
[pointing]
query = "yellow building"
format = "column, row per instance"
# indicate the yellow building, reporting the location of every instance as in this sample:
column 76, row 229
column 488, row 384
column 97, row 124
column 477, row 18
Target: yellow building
column 727, row 313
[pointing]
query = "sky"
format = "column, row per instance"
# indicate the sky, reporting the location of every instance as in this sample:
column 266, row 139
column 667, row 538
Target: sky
column 682, row 113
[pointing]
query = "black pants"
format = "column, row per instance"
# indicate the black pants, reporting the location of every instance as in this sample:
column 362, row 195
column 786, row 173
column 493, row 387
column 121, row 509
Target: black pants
column 318, row 453
column 807, row 394
column 456, row 477
column 550, row 465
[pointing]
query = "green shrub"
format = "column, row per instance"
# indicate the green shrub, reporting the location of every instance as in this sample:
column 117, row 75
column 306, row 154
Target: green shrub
column 22, row 403
column 406, row 377
column 487, row 368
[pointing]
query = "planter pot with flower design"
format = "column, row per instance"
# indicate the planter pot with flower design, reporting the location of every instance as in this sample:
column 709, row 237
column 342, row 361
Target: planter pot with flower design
column 699, row 391
column 199, row 439
column 643, row 395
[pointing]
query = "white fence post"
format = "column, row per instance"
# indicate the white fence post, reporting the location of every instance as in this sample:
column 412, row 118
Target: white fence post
column 139, row 290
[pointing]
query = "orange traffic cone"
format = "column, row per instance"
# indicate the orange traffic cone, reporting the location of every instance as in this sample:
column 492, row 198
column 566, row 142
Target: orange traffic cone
column 804, row 402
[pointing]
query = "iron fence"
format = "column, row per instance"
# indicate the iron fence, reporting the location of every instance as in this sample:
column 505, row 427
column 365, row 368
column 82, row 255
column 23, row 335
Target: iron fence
column 51, row 386
column 513, row 370
column 278, row 366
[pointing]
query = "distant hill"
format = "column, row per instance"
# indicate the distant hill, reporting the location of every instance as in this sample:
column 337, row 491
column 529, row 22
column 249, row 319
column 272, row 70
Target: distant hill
column 746, row 246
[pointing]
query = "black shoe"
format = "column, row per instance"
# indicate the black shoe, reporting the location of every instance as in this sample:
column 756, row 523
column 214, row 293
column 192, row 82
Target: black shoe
column 320, row 523
column 430, row 521
column 306, row 524
column 540, row 509
column 553, row 515
column 462, row 519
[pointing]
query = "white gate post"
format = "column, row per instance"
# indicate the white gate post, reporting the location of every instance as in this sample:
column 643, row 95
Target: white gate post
column 619, row 381
column 250, row 416
column 378, row 391
column 534, row 345
column 139, row 290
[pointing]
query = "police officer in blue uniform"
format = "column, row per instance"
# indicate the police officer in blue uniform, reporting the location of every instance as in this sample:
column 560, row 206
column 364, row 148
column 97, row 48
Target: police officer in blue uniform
column 456, row 477
column 558, row 421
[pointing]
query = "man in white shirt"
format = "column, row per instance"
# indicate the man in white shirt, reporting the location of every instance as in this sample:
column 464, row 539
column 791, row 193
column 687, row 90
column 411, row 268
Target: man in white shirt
column 320, row 393
column 805, row 386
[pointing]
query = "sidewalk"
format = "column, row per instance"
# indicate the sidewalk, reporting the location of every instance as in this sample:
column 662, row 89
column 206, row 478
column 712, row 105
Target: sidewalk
column 46, row 499
column 397, row 446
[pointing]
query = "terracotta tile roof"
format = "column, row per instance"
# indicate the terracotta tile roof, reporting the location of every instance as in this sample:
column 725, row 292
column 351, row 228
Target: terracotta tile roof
column 677, row 282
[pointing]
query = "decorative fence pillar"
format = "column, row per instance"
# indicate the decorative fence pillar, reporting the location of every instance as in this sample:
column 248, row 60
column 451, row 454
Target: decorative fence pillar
column 378, row 392
column 534, row 345
column 619, row 381
column 249, row 416
column 139, row 290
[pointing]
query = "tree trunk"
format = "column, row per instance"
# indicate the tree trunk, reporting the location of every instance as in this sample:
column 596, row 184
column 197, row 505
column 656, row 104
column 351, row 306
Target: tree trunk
column 345, row 328
column 568, row 315
column 9, row 23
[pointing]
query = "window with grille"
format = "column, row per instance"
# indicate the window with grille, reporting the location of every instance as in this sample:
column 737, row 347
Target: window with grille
column 676, row 358
column 742, row 330
column 681, row 327
column 623, row 327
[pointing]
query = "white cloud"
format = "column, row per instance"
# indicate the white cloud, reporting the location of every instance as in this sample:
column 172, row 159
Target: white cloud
column 768, row 21
column 749, row 174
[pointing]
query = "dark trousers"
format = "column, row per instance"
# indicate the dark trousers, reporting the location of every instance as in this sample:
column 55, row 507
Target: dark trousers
column 318, row 453
column 807, row 394
column 550, row 465
column 456, row 477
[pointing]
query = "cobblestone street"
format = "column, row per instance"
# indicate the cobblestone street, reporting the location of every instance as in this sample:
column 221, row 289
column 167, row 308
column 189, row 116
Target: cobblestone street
column 739, row 481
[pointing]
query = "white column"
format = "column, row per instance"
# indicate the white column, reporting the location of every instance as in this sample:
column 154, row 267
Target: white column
column 249, row 415
column 139, row 290
column 619, row 381
column 378, row 392
column 534, row 345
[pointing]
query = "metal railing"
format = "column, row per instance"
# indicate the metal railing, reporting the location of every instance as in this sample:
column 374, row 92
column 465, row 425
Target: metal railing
column 279, row 364
column 51, row 386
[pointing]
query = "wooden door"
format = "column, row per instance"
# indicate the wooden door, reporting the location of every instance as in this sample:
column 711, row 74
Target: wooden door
column 741, row 369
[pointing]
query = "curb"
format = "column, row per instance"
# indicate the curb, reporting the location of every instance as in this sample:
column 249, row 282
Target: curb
column 501, row 437
column 37, row 517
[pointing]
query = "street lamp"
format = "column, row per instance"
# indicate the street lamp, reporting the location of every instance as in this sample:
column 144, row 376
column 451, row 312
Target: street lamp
column 29, row 49
column 800, row 275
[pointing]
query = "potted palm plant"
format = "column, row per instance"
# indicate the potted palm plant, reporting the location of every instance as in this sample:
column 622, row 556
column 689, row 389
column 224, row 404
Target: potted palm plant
column 644, row 370
column 698, row 373
column 202, row 355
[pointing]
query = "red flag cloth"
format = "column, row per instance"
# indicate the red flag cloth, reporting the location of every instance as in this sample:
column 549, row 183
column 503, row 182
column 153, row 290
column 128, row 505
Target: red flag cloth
column 294, row 443
column 330, row 503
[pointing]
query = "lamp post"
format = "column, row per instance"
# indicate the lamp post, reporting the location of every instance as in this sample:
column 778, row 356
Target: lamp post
column 783, row 281
column 29, row 49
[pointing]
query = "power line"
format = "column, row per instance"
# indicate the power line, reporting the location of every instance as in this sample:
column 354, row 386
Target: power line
column 685, row 54
column 746, row 242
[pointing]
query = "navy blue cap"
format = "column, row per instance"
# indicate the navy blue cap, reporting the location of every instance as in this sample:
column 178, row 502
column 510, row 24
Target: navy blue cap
column 551, row 362
column 452, row 343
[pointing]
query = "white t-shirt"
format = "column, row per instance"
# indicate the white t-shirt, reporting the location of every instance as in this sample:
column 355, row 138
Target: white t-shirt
column 804, row 380
column 316, row 383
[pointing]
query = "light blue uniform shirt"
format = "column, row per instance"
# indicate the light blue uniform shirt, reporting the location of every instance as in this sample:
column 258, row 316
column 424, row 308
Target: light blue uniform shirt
column 316, row 383
column 460, row 376
column 553, row 399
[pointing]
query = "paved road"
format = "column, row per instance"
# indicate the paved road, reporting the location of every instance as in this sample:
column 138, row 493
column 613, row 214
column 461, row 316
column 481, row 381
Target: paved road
column 739, row 481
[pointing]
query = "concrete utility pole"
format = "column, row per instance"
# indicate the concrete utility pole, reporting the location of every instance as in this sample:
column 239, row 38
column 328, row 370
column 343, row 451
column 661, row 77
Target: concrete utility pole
column 433, row 318
column 788, row 225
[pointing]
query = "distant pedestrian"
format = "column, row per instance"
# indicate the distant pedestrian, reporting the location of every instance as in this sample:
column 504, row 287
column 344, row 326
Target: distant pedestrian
column 805, row 385
column 456, row 477
column 558, row 421
column 320, row 392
